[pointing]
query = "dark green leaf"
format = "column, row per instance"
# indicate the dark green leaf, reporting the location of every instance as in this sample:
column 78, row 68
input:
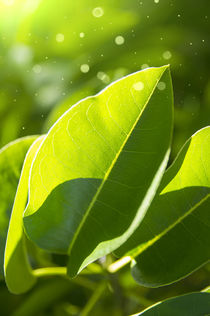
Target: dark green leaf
column 174, row 237
column 194, row 304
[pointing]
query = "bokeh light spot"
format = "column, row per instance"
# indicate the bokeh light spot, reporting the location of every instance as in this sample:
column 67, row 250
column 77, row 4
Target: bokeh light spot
column 138, row 86
column 59, row 37
column 84, row 68
column 161, row 85
column 119, row 40
column 98, row 12
column 167, row 54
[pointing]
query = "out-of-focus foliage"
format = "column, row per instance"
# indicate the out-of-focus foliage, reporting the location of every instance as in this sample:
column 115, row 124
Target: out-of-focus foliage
column 45, row 43
column 52, row 54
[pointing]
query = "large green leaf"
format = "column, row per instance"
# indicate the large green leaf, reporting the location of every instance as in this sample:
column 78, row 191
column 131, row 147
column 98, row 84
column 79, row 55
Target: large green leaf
column 194, row 304
column 66, row 105
column 174, row 237
column 11, row 160
column 18, row 274
column 97, row 171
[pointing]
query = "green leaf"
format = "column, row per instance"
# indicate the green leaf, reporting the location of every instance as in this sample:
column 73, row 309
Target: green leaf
column 66, row 105
column 98, row 169
column 207, row 289
column 18, row 273
column 194, row 304
column 11, row 161
column 173, row 239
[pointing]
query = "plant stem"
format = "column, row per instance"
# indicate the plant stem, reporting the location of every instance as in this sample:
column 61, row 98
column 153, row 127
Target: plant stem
column 120, row 300
column 117, row 265
column 62, row 271
column 50, row 271
column 93, row 299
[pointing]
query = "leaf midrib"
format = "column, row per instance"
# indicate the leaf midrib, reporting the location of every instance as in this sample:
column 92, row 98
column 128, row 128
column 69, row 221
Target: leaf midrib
column 110, row 168
column 151, row 242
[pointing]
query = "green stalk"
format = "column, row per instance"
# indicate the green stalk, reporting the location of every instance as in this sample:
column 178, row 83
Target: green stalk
column 119, row 264
column 94, row 298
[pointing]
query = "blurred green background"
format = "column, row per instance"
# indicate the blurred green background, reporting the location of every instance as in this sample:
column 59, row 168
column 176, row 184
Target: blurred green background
column 52, row 54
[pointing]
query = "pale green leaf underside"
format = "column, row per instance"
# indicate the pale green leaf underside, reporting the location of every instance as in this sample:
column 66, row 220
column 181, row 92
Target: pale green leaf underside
column 174, row 237
column 18, row 273
column 97, row 171
column 11, row 161
column 194, row 304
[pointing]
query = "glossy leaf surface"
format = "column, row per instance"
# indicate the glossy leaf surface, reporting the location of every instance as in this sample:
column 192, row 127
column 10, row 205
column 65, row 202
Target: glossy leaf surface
column 18, row 273
column 194, row 304
column 174, row 237
column 11, row 161
column 99, row 167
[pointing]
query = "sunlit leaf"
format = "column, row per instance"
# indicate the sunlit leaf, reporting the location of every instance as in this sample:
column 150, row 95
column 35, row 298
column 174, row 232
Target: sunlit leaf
column 174, row 237
column 64, row 106
column 18, row 274
column 98, row 168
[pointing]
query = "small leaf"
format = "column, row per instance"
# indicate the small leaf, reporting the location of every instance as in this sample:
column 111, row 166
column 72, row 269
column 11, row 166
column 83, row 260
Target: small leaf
column 174, row 238
column 194, row 304
column 11, row 160
column 18, row 273
column 99, row 167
